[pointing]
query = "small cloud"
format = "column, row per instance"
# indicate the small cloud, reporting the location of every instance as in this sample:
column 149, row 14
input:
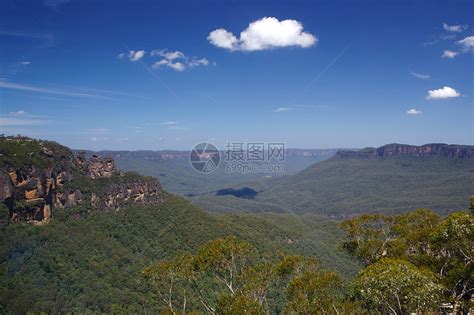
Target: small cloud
column 98, row 139
column 413, row 111
column 169, row 123
column 18, row 112
column 223, row 39
column 443, row 93
column 282, row 109
column 454, row 28
column 132, row 55
column 177, row 128
column 198, row 62
column 420, row 75
column 467, row 44
column 25, row 63
column 449, row 54
column 178, row 66
column 168, row 55
column 171, row 60
column 263, row 34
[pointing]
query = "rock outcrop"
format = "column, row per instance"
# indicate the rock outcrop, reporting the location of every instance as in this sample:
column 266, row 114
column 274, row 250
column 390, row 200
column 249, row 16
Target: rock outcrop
column 39, row 177
column 433, row 149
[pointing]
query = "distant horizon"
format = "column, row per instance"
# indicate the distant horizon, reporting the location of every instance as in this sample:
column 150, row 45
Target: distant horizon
column 223, row 150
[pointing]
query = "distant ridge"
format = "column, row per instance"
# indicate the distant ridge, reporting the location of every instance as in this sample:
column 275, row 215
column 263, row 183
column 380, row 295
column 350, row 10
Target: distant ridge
column 395, row 149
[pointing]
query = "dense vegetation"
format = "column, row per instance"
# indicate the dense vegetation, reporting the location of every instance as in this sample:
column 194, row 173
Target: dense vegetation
column 415, row 262
column 22, row 151
column 344, row 187
column 91, row 261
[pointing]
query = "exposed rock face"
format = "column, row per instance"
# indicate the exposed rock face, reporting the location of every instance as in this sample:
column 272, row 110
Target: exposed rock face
column 142, row 191
column 433, row 149
column 46, row 180
column 96, row 166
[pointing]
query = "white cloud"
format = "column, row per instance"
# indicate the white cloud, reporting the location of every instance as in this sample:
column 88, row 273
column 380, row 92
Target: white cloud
column 132, row 55
column 414, row 111
column 282, row 109
column 198, row 62
column 449, row 54
column 467, row 44
column 169, row 55
column 420, row 75
column 454, row 28
column 223, row 39
column 266, row 33
column 171, row 60
column 443, row 93
column 18, row 112
column 169, row 123
column 178, row 66
column 24, row 63
column 96, row 139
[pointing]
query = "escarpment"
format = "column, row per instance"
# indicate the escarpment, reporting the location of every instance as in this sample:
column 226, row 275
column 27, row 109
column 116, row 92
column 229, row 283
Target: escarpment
column 38, row 178
column 426, row 150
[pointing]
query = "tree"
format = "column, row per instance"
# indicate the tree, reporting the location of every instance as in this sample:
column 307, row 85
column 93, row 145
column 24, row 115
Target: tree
column 368, row 236
column 314, row 293
column 225, row 259
column 452, row 244
column 398, row 287
column 170, row 279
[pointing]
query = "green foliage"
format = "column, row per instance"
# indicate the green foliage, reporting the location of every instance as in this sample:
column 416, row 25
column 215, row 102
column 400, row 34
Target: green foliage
column 228, row 276
column 99, row 185
column 397, row 286
column 443, row 246
column 88, row 261
column 343, row 187
column 315, row 293
column 22, row 151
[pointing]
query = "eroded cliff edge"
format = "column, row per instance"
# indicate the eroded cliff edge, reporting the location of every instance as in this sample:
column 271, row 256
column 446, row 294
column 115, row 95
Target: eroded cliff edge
column 39, row 177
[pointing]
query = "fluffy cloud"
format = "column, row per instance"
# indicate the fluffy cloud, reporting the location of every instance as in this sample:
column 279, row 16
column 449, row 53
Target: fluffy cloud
column 132, row 55
column 169, row 55
column 414, row 111
column 467, row 44
column 454, row 28
column 443, row 93
column 223, row 39
column 449, row 54
column 266, row 33
column 170, row 59
column 420, row 75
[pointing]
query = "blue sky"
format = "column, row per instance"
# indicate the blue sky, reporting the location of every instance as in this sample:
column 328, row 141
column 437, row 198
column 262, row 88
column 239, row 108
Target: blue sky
column 169, row 74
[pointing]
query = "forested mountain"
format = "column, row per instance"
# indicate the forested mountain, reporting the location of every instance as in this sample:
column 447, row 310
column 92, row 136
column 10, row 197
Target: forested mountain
column 176, row 174
column 392, row 178
column 76, row 233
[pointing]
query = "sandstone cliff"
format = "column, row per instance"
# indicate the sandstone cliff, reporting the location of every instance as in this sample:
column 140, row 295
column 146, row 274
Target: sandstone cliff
column 40, row 177
column 426, row 150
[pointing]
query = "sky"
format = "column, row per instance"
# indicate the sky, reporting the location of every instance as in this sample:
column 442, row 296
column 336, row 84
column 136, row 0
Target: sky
column 133, row 75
